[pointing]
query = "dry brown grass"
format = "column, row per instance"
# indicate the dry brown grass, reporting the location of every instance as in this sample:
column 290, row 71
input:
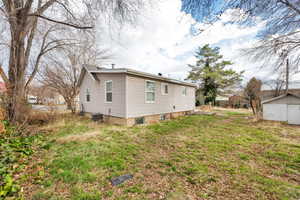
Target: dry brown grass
column 79, row 137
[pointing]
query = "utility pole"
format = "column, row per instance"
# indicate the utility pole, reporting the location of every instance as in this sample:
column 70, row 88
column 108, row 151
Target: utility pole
column 287, row 76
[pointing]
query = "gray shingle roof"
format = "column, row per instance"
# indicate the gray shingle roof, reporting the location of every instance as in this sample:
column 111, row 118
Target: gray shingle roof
column 92, row 69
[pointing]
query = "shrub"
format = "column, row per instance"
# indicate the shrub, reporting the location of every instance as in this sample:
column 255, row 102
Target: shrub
column 40, row 117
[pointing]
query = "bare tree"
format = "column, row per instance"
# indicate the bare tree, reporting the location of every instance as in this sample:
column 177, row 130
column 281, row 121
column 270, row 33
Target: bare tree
column 276, row 85
column 62, row 72
column 63, row 79
column 252, row 93
column 23, row 19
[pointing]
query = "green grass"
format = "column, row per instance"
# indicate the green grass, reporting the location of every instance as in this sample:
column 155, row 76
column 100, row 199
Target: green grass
column 200, row 157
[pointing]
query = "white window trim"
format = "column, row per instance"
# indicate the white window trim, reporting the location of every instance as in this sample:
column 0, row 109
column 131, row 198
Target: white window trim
column 87, row 91
column 163, row 88
column 149, row 91
column 109, row 81
column 184, row 89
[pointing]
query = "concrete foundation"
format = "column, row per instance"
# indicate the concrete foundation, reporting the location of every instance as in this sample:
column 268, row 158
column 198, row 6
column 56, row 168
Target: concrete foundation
column 149, row 119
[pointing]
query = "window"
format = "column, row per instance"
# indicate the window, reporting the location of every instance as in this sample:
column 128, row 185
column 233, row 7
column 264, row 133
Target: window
column 150, row 91
column 88, row 96
column 164, row 88
column 140, row 120
column 108, row 91
column 184, row 91
column 163, row 117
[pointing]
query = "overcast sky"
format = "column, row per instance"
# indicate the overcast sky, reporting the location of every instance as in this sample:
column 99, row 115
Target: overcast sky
column 164, row 41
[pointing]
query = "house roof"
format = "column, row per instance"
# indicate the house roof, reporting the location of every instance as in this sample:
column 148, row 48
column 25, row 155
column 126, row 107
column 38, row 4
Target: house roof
column 92, row 70
column 280, row 97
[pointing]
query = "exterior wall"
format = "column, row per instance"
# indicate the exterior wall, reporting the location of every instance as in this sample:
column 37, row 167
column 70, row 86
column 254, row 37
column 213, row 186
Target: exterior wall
column 97, row 102
column 136, row 98
column 293, row 114
column 275, row 112
column 151, row 119
column 283, row 109
column 238, row 101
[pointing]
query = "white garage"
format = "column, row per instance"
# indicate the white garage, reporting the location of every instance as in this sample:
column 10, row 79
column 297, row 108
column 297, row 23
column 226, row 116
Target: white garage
column 284, row 108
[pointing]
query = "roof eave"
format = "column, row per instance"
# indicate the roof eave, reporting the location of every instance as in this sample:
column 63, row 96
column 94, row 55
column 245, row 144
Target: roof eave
column 146, row 75
column 279, row 97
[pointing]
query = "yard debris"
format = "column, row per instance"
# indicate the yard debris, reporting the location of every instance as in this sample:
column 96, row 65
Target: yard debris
column 121, row 179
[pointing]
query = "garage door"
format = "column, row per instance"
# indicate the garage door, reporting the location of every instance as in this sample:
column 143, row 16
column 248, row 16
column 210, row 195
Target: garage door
column 275, row 112
column 294, row 114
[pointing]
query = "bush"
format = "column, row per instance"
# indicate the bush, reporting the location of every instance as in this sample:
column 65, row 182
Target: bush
column 41, row 118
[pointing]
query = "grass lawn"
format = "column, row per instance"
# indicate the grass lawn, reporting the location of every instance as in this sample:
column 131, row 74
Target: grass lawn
column 194, row 157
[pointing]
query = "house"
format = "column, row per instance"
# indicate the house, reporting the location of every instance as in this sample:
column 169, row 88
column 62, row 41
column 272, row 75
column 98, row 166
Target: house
column 238, row 101
column 32, row 99
column 284, row 108
column 222, row 101
column 128, row 97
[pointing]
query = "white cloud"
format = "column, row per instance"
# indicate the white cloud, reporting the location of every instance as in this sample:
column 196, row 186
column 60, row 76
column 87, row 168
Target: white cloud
column 162, row 40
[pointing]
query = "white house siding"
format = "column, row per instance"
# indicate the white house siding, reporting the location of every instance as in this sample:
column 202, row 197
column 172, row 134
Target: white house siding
column 97, row 102
column 294, row 114
column 282, row 109
column 275, row 112
column 136, row 98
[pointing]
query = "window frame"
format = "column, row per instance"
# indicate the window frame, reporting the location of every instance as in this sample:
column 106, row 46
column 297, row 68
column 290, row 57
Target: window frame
column 147, row 91
column 163, row 88
column 163, row 117
column 184, row 91
column 105, row 89
column 87, row 94
column 139, row 120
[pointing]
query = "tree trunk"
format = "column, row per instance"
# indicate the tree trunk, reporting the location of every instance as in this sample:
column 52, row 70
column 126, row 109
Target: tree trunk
column 252, row 106
column 17, row 66
column 71, row 105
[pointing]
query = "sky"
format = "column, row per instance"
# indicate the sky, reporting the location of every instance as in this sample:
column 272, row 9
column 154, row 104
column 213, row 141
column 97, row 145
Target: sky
column 164, row 40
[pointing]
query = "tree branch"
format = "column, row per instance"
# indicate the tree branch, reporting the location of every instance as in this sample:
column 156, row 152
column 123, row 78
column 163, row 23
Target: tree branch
column 60, row 22
column 290, row 5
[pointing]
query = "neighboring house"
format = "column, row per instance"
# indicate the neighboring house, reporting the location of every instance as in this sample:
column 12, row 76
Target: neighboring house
column 32, row 99
column 238, row 101
column 58, row 99
column 284, row 108
column 222, row 101
column 129, row 97
column 200, row 99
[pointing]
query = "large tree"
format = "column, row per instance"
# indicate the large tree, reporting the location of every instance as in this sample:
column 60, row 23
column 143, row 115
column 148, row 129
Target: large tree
column 253, row 93
column 24, row 19
column 211, row 73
